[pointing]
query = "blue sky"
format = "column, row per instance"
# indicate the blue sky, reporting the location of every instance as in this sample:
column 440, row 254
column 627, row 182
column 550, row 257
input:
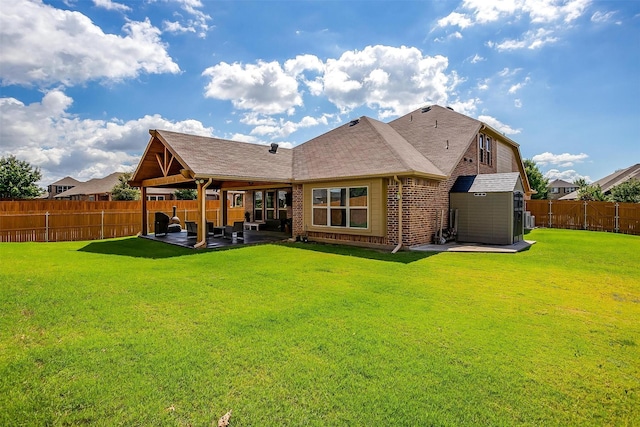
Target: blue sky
column 82, row 81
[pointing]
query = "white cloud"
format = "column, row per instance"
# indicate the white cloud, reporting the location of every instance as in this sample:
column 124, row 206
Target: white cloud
column 284, row 128
column 517, row 103
column 477, row 58
column 111, row 5
column 530, row 40
column 562, row 160
column 566, row 175
column 263, row 87
column 177, row 27
column 394, row 80
column 45, row 135
column 454, row 19
column 499, row 126
column 547, row 15
column 602, row 17
column 196, row 22
column 66, row 47
column 516, row 87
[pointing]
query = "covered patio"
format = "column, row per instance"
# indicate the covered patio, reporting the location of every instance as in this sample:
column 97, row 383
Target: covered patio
column 175, row 160
column 251, row 237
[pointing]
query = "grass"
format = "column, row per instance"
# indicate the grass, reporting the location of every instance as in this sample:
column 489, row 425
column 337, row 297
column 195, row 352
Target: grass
column 135, row 332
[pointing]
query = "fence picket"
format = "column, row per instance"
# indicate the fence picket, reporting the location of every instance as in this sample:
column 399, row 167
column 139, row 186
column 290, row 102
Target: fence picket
column 65, row 220
column 585, row 215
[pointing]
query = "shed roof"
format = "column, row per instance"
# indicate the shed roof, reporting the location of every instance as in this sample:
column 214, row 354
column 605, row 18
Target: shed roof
column 487, row 183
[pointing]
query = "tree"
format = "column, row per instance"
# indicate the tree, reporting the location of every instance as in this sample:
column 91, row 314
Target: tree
column 580, row 182
column 18, row 179
column 627, row 192
column 123, row 191
column 591, row 192
column 186, row 194
column 537, row 181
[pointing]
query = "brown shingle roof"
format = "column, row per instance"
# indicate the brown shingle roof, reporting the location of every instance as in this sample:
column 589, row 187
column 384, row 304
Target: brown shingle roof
column 365, row 147
column 610, row 181
column 432, row 131
column 93, row 186
column 67, row 180
column 220, row 158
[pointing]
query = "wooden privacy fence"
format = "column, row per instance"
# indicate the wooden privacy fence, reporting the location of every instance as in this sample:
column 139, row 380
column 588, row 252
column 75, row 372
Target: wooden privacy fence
column 65, row 220
column 583, row 215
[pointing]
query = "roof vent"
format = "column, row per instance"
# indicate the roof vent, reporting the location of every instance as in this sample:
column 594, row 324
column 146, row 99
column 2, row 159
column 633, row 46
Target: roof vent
column 450, row 108
column 426, row 109
column 274, row 148
column 354, row 122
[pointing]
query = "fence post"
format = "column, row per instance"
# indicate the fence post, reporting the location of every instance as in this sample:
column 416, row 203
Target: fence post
column 617, row 218
column 550, row 213
column 46, row 226
column 102, row 226
column 585, row 216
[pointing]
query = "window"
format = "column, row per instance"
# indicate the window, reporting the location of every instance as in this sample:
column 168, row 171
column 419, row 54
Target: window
column 346, row 207
column 481, row 143
column 488, row 151
column 555, row 190
column 270, row 205
column 237, row 200
column 257, row 206
column 282, row 204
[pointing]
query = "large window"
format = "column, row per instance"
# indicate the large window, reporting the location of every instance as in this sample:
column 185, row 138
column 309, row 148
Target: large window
column 346, row 207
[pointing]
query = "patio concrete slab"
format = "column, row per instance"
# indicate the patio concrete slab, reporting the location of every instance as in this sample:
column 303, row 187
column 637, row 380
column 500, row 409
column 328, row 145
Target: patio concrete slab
column 250, row 238
column 475, row 247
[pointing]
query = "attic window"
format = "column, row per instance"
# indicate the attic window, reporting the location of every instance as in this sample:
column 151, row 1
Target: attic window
column 426, row 109
column 354, row 122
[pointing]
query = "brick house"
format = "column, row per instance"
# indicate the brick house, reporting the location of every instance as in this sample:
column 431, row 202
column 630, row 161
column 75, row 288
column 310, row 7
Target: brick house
column 365, row 183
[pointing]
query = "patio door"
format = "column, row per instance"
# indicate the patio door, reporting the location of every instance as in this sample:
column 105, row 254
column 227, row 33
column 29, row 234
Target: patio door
column 270, row 205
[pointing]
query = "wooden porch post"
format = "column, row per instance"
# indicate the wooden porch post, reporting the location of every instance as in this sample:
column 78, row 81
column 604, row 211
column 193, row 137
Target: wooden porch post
column 143, row 203
column 202, row 212
column 223, row 206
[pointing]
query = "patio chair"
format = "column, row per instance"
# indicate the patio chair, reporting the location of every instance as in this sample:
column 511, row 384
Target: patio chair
column 192, row 228
column 237, row 228
column 161, row 224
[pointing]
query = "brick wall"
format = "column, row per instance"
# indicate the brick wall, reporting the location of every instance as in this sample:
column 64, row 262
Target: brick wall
column 297, row 201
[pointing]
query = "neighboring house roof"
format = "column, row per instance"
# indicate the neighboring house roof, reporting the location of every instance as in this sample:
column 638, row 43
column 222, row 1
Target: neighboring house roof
column 559, row 183
column 67, row 180
column 363, row 147
column 610, row 181
column 486, row 183
column 93, row 186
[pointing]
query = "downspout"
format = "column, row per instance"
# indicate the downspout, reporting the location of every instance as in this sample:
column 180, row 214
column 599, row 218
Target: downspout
column 399, row 196
column 203, row 215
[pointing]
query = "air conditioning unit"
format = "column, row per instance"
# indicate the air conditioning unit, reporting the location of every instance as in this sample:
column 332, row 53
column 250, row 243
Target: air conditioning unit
column 529, row 221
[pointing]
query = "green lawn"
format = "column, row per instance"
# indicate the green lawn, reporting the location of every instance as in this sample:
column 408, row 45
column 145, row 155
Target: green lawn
column 134, row 332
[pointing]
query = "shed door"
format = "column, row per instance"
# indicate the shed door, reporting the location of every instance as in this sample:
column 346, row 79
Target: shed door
column 518, row 216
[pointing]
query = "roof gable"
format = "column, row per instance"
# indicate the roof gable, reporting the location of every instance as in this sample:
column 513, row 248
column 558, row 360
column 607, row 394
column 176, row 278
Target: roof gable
column 363, row 147
column 207, row 157
column 439, row 133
